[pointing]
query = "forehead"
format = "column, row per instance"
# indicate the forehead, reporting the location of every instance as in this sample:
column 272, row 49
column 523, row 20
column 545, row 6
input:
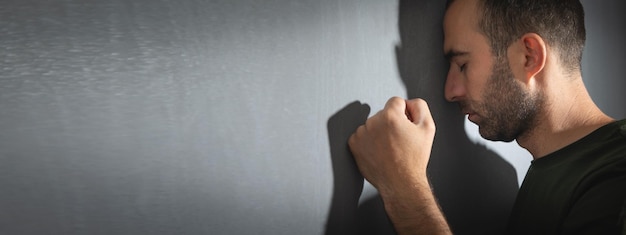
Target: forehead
column 460, row 24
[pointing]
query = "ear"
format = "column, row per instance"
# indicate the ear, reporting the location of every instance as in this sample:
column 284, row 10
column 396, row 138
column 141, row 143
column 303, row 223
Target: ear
column 535, row 52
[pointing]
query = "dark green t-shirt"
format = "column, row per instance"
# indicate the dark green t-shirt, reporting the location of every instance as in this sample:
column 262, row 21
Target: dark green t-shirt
column 580, row 189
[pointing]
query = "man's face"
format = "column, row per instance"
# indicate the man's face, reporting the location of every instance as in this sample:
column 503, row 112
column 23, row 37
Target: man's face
column 484, row 87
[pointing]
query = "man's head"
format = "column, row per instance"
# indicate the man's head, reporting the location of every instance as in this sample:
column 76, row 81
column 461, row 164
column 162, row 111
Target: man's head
column 497, row 48
column 561, row 23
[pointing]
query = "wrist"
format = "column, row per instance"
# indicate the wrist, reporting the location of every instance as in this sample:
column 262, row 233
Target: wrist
column 410, row 186
column 405, row 196
column 413, row 209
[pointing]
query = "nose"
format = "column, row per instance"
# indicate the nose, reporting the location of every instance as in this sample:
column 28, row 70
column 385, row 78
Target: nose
column 454, row 88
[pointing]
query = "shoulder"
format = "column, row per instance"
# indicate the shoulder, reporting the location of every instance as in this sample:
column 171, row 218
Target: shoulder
column 599, row 205
column 599, row 201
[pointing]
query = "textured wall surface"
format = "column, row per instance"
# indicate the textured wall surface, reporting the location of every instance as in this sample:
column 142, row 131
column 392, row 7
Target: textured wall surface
column 230, row 117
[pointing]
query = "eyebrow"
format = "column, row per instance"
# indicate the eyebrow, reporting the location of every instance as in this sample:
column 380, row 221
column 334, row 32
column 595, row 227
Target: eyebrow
column 451, row 54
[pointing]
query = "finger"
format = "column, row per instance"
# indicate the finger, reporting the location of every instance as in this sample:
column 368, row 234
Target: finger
column 352, row 141
column 418, row 111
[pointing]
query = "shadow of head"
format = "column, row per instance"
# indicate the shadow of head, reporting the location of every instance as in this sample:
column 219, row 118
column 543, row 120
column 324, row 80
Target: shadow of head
column 475, row 187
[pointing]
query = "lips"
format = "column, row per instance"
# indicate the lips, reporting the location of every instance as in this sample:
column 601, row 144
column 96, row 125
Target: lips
column 465, row 110
column 471, row 115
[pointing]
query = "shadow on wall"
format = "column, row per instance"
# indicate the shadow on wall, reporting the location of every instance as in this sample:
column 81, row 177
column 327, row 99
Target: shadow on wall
column 346, row 216
column 348, row 182
column 475, row 187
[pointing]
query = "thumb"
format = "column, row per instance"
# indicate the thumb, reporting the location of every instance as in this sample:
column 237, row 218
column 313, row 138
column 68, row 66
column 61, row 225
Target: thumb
column 418, row 112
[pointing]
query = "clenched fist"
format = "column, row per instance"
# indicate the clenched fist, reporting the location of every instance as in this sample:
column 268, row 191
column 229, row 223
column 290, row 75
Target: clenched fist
column 393, row 147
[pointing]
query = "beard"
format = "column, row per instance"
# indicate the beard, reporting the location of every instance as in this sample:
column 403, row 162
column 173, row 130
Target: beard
column 507, row 110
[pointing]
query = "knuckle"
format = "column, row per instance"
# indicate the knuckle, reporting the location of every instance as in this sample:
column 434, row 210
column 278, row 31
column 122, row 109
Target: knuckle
column 386, row 115
column 352, row 141
column 430, row 126
column 421, row 103
column 394, row 102
column 395, row 99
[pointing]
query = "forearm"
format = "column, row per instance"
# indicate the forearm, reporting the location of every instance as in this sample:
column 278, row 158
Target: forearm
column 414, row 210
column 392, row 151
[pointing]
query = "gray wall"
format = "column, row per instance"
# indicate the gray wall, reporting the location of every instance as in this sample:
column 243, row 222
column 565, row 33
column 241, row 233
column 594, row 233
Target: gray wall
column 230, row 117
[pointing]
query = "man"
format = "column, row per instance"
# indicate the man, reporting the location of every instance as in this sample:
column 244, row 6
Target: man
column 515, row 71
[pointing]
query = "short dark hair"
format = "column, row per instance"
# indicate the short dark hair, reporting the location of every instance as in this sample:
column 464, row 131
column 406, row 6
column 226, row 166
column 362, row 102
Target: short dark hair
column 561, row 23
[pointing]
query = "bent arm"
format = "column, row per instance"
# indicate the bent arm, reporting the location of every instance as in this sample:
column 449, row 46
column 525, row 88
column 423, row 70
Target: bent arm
column 392, row 151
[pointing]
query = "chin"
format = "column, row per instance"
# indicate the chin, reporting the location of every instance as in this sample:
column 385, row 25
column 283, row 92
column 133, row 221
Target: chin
column 495, row 136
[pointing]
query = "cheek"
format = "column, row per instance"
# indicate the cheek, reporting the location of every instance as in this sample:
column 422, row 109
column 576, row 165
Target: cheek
column 481, row 72
column 477, row 85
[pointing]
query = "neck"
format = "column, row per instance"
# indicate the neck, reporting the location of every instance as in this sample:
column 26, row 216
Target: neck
column 568, row 115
